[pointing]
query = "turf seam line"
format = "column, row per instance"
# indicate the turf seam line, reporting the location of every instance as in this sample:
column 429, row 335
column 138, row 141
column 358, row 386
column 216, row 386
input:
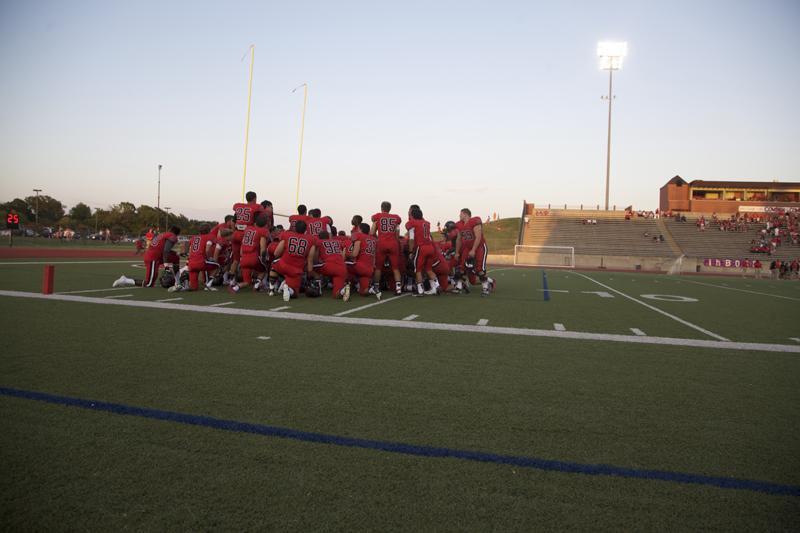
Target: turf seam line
column 535, row 463
column 99, row 290
column 431, row 326
column 656, row 309
column 373, row 304
column 742, row 290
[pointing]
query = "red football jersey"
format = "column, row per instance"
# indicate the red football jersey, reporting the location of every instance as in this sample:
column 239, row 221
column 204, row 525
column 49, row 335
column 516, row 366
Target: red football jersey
column 197, row 247
column 294, row 218
column 330, row 250
column 251, row 240
column 369, row 245
column 219, row 227
column 296, row 247
column 467, row 230
column 245, row 214
column 387, row 225
column 317, row 225
column 156, row 250
column 419, row 231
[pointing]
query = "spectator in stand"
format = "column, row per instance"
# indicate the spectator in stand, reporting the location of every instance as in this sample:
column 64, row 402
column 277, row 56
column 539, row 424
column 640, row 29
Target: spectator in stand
column 758, row 266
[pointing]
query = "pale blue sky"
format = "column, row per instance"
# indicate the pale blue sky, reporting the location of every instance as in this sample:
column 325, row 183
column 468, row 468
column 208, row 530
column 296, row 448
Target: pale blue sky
column 445, row 104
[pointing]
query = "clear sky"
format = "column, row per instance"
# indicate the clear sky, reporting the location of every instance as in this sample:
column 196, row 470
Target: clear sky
column 445, row 104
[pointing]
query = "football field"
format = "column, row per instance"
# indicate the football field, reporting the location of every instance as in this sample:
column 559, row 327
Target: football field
column 565, row 400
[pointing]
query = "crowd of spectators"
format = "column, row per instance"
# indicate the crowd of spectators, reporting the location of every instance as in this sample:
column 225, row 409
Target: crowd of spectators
column 779, row 229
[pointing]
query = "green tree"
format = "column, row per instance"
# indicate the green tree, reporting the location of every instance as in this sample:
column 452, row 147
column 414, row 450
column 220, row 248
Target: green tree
column 50, row 209
column 20, row 207
column 81, row 213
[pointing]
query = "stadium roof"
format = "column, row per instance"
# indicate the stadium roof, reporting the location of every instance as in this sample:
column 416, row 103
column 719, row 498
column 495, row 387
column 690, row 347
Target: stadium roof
column 745, row 184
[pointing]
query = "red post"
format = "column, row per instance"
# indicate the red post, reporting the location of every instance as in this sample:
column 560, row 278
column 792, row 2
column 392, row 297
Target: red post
column 48, row 279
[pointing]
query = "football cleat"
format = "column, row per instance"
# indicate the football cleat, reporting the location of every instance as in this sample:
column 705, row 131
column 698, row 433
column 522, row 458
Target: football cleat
column 485, row 292
column 492, row 284
column 175, row 288
column 286, row 292
column 431, row 292
column 346, row 295
column 121, row 282
column 209, row 288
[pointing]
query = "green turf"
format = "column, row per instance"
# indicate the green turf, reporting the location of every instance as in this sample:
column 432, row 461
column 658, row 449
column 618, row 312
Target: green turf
column 704, row 411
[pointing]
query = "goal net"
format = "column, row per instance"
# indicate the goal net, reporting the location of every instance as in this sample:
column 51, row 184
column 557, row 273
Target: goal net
column 546, row 256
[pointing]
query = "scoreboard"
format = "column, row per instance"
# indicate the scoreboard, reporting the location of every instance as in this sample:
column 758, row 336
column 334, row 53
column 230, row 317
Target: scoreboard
column 12, row 221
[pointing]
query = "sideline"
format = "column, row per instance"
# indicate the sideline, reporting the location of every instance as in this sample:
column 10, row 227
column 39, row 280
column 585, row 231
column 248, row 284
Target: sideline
column 431, row 326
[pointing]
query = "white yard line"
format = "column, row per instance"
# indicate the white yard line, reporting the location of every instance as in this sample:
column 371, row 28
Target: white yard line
column 656, row 309
column 742, row 290
column 63, row 262
column 373, row 304
column 498, row 270
column 263, row 338
column 483, row 321
column 430, row 326
column 411, row 317
column 281, row 308
column 221, row 304
column 170, row 300
column 559, row 327
column 795, row 339
column 118, row 296
column 552, row 290
column 637, row 331
column 100, row 290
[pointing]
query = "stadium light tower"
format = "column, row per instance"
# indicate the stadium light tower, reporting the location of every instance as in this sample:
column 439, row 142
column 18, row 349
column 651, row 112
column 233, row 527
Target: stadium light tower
column 611, row 55
column 37, row 191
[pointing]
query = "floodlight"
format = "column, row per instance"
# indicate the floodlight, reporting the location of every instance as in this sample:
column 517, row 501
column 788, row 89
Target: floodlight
column 611, row 54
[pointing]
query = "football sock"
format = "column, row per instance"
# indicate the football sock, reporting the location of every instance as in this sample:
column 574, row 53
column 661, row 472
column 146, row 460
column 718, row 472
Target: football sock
column 420, row 288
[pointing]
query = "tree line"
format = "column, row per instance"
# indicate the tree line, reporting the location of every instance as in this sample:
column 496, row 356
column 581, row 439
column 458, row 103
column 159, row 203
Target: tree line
column 122, row 219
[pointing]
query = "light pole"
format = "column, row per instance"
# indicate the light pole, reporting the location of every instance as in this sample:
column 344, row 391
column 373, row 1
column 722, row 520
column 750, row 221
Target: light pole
column 166, row 226
column 96, row 212
column 302, row 131
column 158, row 199
column 611, row 55
column 37, row 191
column 252, row 51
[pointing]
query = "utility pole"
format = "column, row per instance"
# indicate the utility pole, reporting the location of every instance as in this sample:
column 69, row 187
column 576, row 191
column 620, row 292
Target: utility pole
column 37, row 191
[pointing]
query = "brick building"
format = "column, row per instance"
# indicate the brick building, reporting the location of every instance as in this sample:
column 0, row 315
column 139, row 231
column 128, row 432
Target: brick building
column 699, row 196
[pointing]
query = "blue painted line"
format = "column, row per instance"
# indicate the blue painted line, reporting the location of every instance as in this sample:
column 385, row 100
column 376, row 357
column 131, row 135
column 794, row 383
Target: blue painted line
column 410, row 449
column 544, row 286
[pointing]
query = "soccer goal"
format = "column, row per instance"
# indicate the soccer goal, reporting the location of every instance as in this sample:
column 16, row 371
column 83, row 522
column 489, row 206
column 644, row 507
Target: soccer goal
column 544, row 256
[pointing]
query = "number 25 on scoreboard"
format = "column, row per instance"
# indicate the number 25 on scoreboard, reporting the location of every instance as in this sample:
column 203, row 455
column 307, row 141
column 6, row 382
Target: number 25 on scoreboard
column 12, row 221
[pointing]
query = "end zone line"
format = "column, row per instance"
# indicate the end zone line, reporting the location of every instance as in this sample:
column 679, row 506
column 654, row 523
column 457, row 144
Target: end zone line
column 373, row 304
column 656, row 309
column 742, row 290
column 430, row 326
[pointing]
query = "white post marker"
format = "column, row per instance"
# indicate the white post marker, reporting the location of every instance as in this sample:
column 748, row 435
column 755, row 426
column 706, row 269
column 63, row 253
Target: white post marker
column 559, row 327
column 221, row 304
column 637, row 331
column 281, row 308
column 411, row 317
column 483, row 321
column 263, row 338
column 795, row 339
